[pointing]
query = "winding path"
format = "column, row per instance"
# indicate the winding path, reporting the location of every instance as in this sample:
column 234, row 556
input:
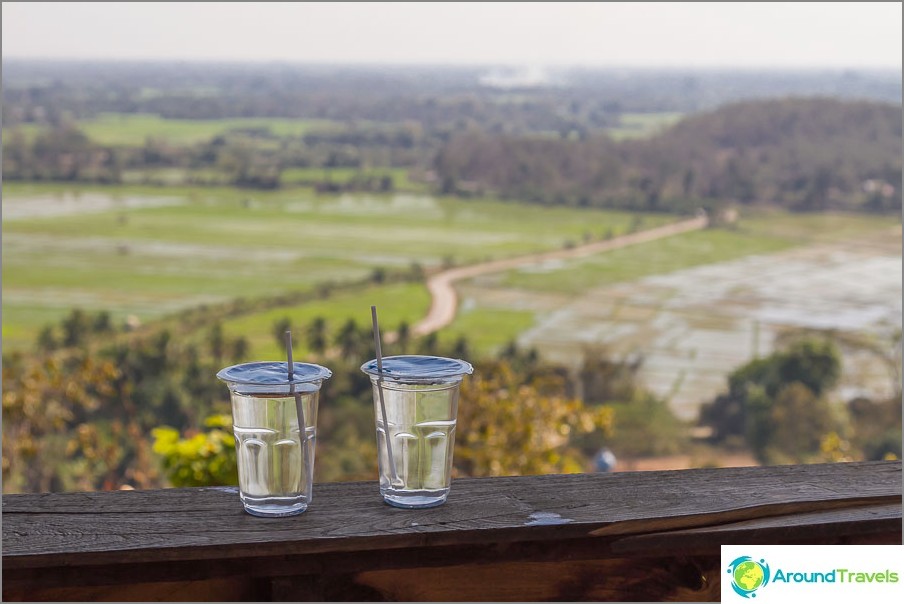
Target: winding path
column 444, row 301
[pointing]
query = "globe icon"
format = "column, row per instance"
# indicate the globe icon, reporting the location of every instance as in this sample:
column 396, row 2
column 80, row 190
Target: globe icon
column 748, row 575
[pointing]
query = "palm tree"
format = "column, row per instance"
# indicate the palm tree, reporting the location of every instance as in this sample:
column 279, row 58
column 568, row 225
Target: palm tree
column 217, row 342
column 349, row 340
column 316, row 335
column 461, row 348
column 280, row 327
column 240, row 348
column 403, row 336
column 429, row 344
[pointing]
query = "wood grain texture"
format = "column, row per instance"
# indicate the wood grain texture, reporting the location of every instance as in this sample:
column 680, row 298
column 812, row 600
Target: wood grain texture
column 184, row 524
column 858, row 524
column 651, row 579
column 349, row 538
column 217, row 590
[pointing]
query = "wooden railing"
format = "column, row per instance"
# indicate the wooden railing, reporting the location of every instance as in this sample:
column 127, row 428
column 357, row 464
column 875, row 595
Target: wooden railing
column 625, row 536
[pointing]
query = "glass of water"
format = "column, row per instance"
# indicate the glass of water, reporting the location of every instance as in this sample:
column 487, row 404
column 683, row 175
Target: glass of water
column 416, row 410
column 275, row 425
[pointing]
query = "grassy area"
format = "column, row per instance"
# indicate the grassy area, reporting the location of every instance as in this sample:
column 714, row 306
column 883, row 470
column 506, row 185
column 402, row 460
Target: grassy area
column 131, row 130
column 634, row 262
column 640, row 125
column 814, row 228
column 211, row 245
column 395, row 302
column 487, row 329
column 216, row 244
column 762, row 233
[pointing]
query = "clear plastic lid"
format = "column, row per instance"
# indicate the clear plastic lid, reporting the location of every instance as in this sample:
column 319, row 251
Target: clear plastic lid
column 415, row 368
column 273, row 373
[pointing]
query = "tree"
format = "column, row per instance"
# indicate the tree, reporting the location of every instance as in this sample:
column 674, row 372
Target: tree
column 429, row 344
column 280, row 327
column 508, row 425
column 61, row 430
column 885, row 347
column 240, row 349
column 791, row 428
column 875, row 427
column 75, row 328
column 461, row 349
column 316, row 335
column 403, row 336
column 349, row 340
column 47, row 340
column 643, row 426
column 777, row 404
column 604, row 380
column 102, row 323
column 217, row 342
column 815, row 363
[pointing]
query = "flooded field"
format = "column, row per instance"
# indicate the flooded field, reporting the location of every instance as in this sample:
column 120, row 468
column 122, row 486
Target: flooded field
column 694, row 326
column 70, row 203
column 148, row 251
column 695, row 306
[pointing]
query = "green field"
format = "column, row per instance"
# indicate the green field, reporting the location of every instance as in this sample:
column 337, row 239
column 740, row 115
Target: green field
column 396, row 303
column 635, row 262
column 761, row 233
column 212, row 245
column 641, row 125
column 131, row 130
column 487, row 329
column 152, row 251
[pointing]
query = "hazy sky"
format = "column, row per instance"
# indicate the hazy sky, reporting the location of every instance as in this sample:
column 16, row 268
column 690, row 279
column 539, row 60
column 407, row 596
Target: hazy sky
column 631, row 34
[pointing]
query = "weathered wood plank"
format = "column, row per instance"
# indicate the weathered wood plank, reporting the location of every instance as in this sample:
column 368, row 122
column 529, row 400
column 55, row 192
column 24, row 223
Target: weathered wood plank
column 878, row 524
column 577, row 570
column 217, row 590
column 874, row 524
column 633, row 536
column 652, row 579
column 76, row 529
column 650, row 576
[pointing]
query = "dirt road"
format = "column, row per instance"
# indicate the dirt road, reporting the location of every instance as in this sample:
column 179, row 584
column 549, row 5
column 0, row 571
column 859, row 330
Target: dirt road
column 444, row 301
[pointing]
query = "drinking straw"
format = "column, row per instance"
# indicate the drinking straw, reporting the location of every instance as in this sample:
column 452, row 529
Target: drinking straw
column 388, row 436
column 299, row 408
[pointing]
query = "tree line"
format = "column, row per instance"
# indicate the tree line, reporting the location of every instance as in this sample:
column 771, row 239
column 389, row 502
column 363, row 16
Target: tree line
column 803, row 154
column 437, row 97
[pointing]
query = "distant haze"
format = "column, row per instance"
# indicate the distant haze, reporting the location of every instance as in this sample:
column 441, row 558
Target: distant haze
column 783, row 35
